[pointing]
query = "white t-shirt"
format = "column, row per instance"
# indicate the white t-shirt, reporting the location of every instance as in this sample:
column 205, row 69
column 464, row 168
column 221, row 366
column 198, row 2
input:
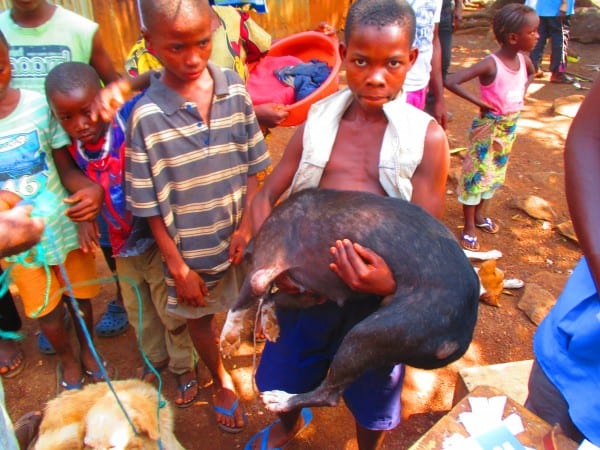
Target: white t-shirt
column 427, row 13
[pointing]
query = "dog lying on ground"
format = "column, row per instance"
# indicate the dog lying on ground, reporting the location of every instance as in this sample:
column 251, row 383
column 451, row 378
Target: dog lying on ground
column 90, row 418
column 427, row 323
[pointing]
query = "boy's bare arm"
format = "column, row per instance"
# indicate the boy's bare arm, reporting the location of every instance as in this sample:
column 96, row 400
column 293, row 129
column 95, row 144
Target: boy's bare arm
column 87, row 196
column 113, row 96
column 189, row 286
column 100, row 60
column 278, row 181
column 429, row 180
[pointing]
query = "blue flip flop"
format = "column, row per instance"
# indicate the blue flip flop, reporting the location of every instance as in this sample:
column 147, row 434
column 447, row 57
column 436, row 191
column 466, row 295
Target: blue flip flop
column 62, row 385
column 230, row 413
column 263, row 435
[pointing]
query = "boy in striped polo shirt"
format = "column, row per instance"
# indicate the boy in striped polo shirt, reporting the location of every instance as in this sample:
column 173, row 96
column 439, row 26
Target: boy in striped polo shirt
column 193, row 150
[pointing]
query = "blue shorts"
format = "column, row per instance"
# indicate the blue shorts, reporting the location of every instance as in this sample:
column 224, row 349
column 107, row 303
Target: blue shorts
column 299, row 360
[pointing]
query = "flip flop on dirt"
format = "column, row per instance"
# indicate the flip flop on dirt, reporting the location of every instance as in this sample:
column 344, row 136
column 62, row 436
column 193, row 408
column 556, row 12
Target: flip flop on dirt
column 12, row 363
column 97, row 376
column 488, row 225
column 62, row 385
column 469, row 242
column 184, row 387
column 229, row 412
column 561, row 78
column 262, row 437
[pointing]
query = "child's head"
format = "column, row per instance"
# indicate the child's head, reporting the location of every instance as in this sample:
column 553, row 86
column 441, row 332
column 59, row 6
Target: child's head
column 378, row 51
column 516, row 25
column 179, row 31
column 71, row 88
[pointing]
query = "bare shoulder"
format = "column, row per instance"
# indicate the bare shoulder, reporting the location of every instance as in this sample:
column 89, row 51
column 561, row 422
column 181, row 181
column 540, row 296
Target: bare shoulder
column 435, row 136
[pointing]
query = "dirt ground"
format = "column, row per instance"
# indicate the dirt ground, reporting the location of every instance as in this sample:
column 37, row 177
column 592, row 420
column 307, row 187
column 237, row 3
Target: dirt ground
column 531, row 251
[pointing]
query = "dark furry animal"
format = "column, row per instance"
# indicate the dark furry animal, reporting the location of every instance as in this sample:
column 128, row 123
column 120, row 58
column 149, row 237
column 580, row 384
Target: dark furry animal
column 427, row 323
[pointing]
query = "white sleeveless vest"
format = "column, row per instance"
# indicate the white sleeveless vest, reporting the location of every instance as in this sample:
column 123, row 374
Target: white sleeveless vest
column 401, row 150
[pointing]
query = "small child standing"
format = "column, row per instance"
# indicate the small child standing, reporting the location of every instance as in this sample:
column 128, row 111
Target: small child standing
column 32, row 163
column 98, row 148
column 503, row 77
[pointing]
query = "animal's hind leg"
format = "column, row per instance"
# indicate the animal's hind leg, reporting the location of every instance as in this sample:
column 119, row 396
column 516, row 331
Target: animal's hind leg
column 362, row 348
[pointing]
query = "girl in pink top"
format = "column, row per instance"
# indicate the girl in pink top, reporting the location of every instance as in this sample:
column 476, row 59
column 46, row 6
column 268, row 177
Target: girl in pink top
column 503, row 77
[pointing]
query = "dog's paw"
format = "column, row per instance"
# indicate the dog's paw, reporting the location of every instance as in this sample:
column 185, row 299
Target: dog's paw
column 269, row 323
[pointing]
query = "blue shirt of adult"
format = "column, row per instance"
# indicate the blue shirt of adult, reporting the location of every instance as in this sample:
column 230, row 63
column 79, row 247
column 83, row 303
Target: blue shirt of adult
column 566, row 346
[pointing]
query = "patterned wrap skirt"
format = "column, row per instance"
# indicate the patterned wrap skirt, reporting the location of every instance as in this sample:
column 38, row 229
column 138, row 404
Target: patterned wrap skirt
column 484, row 168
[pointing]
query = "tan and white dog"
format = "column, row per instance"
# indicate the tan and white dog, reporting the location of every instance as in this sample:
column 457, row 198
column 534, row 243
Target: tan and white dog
column 91, row 419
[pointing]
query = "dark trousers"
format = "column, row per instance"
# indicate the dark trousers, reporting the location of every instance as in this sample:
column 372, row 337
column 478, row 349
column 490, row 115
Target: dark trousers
column 557, row 29
column 546, row 401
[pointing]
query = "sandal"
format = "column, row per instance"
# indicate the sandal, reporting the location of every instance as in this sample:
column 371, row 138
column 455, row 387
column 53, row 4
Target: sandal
column 114, row 321
column 262, row 437
column 561, row 78
column 488, row 225
column 62, row 385
column 230, row 413
column 97, row 376
column 469, row 242
column 183, row 388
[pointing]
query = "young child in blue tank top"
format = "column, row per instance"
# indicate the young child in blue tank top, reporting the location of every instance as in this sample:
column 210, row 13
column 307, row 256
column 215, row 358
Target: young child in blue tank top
column 503, row 77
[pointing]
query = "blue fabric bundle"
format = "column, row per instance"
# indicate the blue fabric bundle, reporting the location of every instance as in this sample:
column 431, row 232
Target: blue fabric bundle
column 305, row 78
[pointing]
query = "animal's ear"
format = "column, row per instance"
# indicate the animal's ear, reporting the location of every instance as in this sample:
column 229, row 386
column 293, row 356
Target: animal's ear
column 145, row 422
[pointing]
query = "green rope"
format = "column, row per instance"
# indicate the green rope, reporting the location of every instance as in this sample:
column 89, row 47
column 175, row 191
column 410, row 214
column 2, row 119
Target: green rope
column 35, row 257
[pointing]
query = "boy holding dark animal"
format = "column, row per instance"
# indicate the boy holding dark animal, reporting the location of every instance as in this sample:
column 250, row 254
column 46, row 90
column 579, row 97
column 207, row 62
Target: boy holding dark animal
column 364, row 138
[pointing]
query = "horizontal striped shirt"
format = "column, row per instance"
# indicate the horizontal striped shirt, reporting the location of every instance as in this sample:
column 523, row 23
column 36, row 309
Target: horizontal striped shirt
column 192, row 175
